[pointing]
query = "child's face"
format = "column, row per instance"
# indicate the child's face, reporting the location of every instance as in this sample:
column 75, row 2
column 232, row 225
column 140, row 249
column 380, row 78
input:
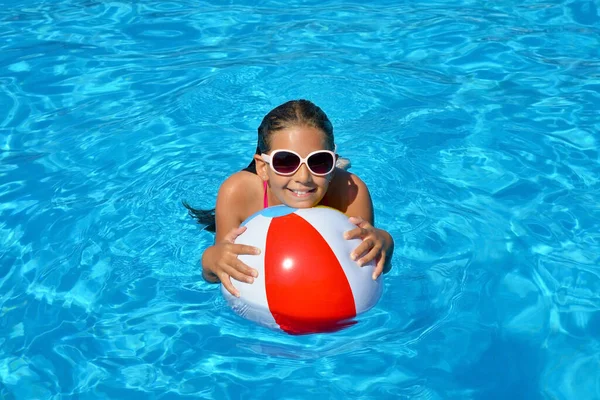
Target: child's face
column 302, row 189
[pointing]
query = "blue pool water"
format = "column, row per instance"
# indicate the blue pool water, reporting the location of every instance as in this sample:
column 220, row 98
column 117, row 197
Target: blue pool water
column 475, row 125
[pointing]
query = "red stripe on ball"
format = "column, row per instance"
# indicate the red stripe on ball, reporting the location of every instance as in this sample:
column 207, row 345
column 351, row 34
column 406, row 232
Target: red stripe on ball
column 307, row 289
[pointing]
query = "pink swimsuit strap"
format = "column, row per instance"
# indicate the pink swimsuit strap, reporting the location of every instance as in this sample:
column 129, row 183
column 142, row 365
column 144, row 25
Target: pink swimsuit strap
column 265, row 198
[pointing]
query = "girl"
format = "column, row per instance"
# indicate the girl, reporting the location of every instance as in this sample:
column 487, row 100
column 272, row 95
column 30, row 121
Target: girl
column 295, row 165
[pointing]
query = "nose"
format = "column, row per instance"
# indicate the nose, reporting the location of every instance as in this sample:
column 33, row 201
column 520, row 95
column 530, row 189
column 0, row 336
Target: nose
column 303, row 174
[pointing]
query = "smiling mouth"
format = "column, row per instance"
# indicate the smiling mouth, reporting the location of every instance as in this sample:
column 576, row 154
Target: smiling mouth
column 302, row 193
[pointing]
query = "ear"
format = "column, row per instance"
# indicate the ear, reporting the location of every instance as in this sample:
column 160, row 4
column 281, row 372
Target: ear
column 261, row 167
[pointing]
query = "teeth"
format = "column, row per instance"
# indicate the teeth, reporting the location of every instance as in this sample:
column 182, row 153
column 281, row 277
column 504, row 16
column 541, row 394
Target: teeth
column 299, row 192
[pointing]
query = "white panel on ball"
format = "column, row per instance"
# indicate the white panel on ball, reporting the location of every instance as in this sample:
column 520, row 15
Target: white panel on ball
column 252, row 303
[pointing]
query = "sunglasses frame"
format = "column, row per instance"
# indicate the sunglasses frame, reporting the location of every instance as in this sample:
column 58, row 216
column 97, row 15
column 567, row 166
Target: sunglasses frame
column 267, row 158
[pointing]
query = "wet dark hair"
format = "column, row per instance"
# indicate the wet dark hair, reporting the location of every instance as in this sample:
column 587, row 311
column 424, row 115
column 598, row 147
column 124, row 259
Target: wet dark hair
column 287, row 115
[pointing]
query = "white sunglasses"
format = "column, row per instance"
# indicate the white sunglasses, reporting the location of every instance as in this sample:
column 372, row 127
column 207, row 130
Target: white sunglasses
column 287, row 162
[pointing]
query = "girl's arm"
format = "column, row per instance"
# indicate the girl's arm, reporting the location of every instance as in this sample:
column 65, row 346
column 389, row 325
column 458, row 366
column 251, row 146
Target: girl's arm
column 377, row 243
column 220, row 261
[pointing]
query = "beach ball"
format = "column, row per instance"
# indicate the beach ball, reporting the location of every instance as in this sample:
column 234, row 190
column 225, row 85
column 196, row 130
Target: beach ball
column 306, row 282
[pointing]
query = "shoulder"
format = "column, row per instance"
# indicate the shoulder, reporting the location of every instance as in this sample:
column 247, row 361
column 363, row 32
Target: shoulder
column 235, row 182
column 348, row 184
column 350, row 194
column 239, row 186
column 355, row 180
column 238, row 197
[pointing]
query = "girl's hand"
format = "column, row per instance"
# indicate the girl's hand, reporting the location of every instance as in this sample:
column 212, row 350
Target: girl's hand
column 222, row 261
column 373, row 246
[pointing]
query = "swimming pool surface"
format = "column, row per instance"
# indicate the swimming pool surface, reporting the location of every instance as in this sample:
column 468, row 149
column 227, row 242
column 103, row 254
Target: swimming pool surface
column 475, row 125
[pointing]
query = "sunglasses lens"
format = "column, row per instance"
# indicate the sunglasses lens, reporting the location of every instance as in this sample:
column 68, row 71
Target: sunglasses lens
column 285, row 162
column 321, row 163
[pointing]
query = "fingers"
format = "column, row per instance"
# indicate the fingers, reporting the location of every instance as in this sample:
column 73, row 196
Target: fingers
column 356, row 220
column 234, row 233
column 373, row 251
column 238, row 271
column 243, row 273
column 226, row 282
column 356, row 233
column 363, row 228
column 362, row 249
column 368, row 251
column 371, row 247
column 379, row 267
column 239, row 249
